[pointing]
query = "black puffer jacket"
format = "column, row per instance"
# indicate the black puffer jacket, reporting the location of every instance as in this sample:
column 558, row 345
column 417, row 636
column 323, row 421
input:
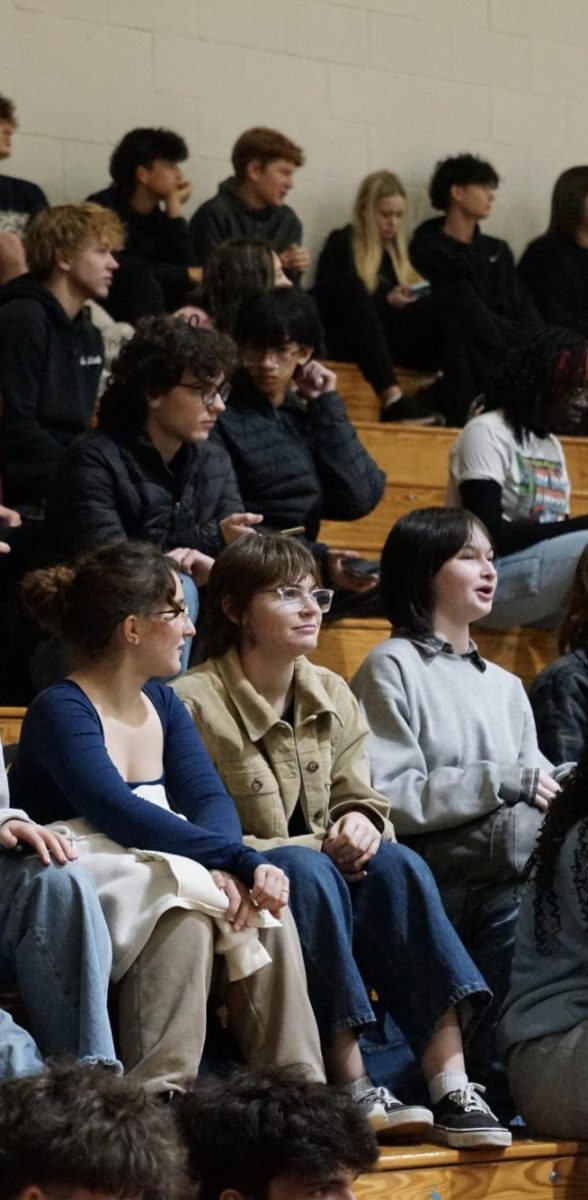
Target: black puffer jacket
column 112, row 488
column 298, row 463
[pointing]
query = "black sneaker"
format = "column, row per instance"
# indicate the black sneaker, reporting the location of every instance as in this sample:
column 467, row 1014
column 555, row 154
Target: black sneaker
column 388, row 1115
column 410, row 410
column 462, row 1119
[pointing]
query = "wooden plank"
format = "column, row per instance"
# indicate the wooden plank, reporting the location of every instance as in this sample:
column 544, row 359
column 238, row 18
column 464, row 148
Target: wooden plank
column 10, row 724
column 358, row 396
column 415, row 460
column 428, row 1154
column 343, row 645
column 538, row 1177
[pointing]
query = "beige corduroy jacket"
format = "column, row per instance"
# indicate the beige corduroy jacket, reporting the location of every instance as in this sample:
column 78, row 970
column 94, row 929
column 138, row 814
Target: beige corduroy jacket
column 267, row 766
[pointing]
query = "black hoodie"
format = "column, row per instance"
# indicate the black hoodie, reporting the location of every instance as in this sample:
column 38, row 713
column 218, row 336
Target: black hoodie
column 49, row 371
column 487, row 265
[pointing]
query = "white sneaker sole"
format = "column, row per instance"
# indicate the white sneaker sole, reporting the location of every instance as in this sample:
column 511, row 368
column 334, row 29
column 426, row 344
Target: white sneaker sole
column 412, row 1121
column 469, row 1140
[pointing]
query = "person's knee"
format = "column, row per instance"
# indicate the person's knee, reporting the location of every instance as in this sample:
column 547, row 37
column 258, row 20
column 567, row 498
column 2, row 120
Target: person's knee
column 311, row 873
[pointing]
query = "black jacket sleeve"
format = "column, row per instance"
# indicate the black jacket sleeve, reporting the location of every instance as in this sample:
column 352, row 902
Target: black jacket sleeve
column 351, row 480
column 483, row 497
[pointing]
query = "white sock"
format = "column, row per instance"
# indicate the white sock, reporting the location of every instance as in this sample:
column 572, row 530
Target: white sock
column 446, row 1081
column 359, row 1087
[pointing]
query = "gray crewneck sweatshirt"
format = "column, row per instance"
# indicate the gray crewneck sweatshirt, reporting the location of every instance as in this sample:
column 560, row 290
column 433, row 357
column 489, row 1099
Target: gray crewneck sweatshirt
column 452, row 736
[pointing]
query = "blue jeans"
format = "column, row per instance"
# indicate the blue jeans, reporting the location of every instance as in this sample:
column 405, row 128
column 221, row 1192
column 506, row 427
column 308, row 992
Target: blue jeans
column 390, row 933
column 534, row 585
column 55, row 948
column 192, row 604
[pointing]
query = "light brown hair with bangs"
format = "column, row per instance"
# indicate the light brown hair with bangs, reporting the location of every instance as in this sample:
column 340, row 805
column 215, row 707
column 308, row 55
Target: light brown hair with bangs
column 67, row 227
column 254, row 563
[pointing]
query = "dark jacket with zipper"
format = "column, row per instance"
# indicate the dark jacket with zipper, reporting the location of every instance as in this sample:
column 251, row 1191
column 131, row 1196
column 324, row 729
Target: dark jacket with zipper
column 111, row 487
column 555, row 270
column 298, row 463
column 50, row 366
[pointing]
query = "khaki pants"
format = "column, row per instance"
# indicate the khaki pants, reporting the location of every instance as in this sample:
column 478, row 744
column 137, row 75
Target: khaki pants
column 548, row 1079
column 163, row 999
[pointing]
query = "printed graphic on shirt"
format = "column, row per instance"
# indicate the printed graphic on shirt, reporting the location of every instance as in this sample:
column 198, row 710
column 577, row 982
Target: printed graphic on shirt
column 541, row 489
column 13, row 222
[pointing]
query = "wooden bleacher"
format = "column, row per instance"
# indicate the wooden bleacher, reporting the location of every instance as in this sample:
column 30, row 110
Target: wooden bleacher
column 10, row 725
column 415, row 459
column 541, row 1170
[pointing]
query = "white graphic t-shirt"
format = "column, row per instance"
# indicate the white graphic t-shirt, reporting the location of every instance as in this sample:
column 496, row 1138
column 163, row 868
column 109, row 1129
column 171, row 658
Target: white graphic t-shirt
column 532, row 473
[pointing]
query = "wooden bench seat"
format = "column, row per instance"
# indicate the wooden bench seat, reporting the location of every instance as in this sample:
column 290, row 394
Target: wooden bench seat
column 11, row 720
column 343, row 645
column 530, row 1169
column 415, row 460
column 358, row 396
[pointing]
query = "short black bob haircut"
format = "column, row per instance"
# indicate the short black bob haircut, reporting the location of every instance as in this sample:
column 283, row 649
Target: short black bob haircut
column 280, row 316
column 415, row 550
column 245, row 1131
column 461, row 171
column 153, row 361
column 140, row 148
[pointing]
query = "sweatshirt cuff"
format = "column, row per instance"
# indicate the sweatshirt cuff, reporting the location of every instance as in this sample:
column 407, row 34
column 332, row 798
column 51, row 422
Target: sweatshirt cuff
column 14, row 814
column 529, row 784
column 510, row 789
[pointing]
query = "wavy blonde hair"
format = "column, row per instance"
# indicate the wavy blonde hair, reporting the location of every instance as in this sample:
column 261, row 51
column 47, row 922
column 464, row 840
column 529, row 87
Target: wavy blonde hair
column 365, row 240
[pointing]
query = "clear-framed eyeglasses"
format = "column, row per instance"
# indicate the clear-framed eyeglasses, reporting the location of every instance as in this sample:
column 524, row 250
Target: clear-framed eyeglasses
column 180, row 612
column 294, row 597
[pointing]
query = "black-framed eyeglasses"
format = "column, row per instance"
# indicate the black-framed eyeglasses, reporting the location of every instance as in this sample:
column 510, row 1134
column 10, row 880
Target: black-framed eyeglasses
column 208, row 396
column 294, row 597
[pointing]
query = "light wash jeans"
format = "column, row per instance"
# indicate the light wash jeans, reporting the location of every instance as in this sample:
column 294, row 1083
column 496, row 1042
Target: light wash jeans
column 534, row 585
column 55, row 949
column 192, row 604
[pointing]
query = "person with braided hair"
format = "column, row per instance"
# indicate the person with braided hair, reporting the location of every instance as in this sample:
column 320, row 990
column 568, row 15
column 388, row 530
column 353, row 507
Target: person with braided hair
column 543, row 1035
column 508, row 468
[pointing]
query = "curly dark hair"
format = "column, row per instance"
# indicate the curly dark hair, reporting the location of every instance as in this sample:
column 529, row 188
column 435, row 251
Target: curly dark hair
column 79, row 1127
column 246, row 1130
column 7, row 110
column 153, row 361
column 461, row 170
column 536, row 377
column 140, row 148
column 569, row 807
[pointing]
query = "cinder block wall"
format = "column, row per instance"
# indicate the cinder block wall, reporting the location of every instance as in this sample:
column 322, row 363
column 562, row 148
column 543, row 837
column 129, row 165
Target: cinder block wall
column 360, row 84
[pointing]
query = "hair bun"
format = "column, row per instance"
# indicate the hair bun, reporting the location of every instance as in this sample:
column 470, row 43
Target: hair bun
column 46, row 595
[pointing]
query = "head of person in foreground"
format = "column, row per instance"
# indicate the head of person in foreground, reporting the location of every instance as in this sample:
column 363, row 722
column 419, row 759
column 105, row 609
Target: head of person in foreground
column 273, row 1136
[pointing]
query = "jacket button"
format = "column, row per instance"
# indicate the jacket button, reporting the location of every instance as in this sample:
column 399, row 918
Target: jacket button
column 256, row 785
column 312, row 765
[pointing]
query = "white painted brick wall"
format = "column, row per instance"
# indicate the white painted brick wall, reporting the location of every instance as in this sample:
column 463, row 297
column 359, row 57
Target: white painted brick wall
column 361, row 84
